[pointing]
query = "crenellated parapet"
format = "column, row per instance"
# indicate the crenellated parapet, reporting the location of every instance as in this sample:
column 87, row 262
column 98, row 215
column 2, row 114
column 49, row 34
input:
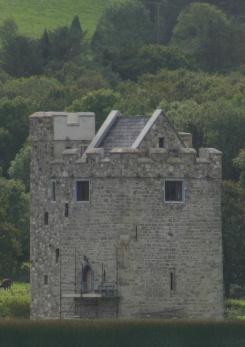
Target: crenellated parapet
column 151, row 146
column 134, row 163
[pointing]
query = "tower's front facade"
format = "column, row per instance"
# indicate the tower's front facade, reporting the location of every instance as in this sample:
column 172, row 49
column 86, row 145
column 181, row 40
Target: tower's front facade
column 124, row 223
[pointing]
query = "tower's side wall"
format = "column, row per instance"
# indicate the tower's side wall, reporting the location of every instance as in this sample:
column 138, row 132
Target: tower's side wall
column 45, row 239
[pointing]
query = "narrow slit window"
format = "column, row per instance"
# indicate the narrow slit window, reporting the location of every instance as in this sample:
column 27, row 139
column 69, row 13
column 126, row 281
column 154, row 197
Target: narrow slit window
column 174, row 191
column 57, row 255
column 66, row 210
column 161, row 142
column 45, row 279
column 46, row 218
column 53, row 191
column 172, row 281
column 82, row 190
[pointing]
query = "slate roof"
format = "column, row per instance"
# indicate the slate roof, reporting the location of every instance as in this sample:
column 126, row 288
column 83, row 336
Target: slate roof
column 123, row 132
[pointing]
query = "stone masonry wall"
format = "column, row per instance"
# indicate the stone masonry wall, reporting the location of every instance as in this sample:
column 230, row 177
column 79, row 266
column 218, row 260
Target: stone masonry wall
column 128, row 231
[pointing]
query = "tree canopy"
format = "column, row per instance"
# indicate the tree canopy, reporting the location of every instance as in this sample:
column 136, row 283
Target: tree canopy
column 14, row 226
column 123, row 26
column 204, row 31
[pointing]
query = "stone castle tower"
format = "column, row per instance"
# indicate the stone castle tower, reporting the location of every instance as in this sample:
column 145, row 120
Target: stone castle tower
column 124, row 223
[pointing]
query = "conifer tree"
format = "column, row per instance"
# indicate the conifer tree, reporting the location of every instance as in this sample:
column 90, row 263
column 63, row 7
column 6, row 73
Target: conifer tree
column 76, row 36
column 45, row 46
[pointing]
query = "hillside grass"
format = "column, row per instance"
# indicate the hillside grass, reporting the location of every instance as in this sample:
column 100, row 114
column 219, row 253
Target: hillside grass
column 33, row 16
column 15, row 303
column 121, row 333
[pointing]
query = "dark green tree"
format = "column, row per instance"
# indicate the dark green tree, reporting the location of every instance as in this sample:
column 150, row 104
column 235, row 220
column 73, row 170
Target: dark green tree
column 75, row 28
column 123, row 27
column 65, row 44
column 149, row 59
column 164, row 14
column 14, row 226
column 8, row 31
column 239, row 162
column 20, row 55
column 14, row 128
column 20, row 166
column 76, row 37
column 204, row 32
column 131, row 63
column 224, row 128
column 10, row 248
column 45, row 47
column 60, row 44
column 39, row 92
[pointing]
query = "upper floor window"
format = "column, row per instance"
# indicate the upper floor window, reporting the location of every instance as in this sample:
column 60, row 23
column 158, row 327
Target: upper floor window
column 161, row 142
column 82, row 190
column 173, row 191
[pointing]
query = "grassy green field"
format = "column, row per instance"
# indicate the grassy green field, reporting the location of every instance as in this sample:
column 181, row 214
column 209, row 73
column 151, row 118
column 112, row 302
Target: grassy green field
column 33, row 16
column 15, row 303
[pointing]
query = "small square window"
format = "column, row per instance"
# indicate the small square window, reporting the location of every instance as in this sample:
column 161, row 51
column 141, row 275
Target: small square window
column 161, row 142
column 174, row 191
column 82, row 190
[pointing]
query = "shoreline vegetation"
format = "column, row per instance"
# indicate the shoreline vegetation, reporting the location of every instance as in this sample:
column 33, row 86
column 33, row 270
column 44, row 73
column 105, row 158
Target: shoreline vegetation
column 15, row 304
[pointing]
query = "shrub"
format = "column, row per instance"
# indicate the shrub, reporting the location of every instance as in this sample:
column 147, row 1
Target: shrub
column 15, row 303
